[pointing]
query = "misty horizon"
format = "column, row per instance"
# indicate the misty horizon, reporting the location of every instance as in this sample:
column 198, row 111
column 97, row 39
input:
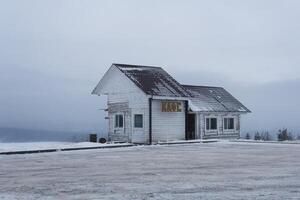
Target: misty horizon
column 53, row 54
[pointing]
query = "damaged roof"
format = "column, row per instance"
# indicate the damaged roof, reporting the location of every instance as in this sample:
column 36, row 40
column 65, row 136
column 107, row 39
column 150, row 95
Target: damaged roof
column 213, row 99
column 153, row 80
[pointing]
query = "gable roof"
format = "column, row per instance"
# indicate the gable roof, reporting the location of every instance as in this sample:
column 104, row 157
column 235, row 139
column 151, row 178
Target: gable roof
column 153, row 80
column 216, row 99
column 157, row 82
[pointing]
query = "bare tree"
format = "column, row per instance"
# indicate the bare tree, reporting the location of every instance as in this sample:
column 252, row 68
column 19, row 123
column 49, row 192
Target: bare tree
column 266, row 136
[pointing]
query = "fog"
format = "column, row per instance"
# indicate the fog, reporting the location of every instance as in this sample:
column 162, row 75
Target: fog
column 53, row 53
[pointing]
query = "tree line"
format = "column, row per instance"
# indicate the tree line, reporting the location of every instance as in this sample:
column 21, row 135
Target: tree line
column 282, row 135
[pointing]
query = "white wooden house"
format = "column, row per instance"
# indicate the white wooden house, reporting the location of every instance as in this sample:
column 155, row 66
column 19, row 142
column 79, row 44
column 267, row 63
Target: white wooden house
column 147, row 105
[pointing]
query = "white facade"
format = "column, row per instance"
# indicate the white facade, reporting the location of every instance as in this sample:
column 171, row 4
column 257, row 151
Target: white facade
column 126, row 99
column 167, row 125
column 220, row 132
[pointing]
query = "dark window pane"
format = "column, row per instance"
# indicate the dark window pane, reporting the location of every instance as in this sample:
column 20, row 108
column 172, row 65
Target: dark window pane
column 207, row 124
column 228, row 123
column 120, row 121
column 138, row 121
column 213, row 123
column 231, row 123
column 116, row 121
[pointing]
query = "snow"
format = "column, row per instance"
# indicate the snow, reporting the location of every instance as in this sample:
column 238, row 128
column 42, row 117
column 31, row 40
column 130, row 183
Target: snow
column 241, row 109
column 190, row 141
column 7, row 147
column 267, row 142
column 132, row 69
column 223, row 170
column 197, row 105
column 192, row 106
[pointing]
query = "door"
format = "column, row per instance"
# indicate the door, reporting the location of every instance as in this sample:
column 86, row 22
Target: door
column 138, row 130
column 191, row 126
column 119, row 128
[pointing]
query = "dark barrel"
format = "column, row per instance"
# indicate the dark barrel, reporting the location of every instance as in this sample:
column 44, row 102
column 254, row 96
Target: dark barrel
column 93, row 137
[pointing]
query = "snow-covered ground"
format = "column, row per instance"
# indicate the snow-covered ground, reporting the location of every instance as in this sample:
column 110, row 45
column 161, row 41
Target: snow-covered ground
column 272, row 141
column 223, row 170
column 25, row 146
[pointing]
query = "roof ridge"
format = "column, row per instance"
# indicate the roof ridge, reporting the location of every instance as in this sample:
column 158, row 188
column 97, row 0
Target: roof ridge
column 131, row 65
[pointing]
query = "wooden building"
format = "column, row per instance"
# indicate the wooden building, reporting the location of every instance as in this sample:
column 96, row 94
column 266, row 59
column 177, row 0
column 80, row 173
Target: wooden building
column 147, row 105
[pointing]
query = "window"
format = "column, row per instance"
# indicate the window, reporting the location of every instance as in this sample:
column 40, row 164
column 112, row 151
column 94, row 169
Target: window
column 228, row 123
column 118, row 121
column 211, row 123
column 138, row 121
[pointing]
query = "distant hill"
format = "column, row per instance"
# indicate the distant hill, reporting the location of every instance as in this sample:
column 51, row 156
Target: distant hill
column 8, row 134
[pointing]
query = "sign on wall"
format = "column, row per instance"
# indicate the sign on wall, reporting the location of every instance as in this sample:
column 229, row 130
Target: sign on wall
column 171, row 106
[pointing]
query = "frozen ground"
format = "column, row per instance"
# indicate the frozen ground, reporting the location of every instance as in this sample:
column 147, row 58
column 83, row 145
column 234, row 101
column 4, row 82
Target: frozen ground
column 224, row 170
column 25, row 146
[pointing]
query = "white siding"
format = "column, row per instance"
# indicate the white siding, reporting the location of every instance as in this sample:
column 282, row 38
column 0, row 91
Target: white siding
column 220, row 132
column 167, row 125
column 120, row 89
column 126, row 98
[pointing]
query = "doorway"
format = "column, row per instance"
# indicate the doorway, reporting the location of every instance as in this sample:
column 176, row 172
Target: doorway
column 191, row 127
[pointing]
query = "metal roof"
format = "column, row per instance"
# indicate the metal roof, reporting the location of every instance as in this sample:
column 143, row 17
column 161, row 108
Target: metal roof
column 153, row 80
column 213, row 99
column 157, row 82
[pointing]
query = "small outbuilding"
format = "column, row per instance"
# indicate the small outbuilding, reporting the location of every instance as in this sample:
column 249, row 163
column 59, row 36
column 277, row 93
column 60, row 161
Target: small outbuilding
column 147, row 105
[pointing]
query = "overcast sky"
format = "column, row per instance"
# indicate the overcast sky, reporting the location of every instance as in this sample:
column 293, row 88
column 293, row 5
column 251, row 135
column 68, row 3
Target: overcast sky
column 52, row 54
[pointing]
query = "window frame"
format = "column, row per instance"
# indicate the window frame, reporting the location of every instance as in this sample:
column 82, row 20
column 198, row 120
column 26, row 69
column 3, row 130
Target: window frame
column 134, row 121
column 209, row 124
column 226, row 125
column 117, row 121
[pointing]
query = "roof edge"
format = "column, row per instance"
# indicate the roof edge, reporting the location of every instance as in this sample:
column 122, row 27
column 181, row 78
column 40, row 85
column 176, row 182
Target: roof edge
column 206, row 86
column 131, row 65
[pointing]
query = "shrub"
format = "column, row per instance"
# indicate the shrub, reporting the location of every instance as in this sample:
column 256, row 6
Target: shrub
column 266, row 136
column 257, row 136
column 285, row 135
column 291, row 136
column 248, row 137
